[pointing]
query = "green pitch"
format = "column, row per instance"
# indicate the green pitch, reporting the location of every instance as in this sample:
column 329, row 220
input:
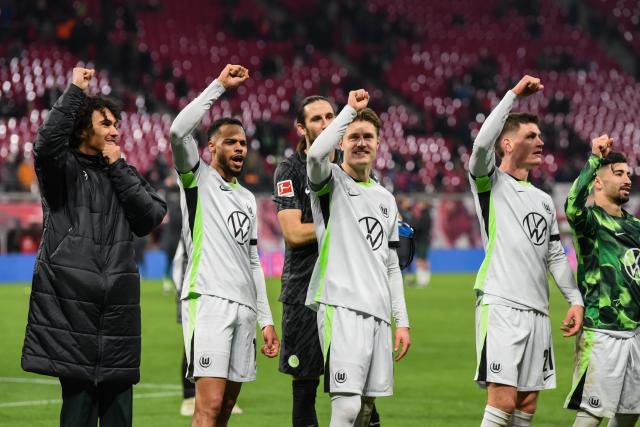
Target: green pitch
column 433, row 384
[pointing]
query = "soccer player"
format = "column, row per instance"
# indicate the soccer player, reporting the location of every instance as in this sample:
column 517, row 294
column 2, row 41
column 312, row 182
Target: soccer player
column 356, row 283
column 522, row 243
column 224, row 290
column 300, row 354
column 606, row 379
column 84, row 311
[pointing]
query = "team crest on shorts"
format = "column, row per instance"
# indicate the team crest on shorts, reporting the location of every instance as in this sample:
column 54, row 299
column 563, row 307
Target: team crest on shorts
column 206, row 360
column 495, row 367
column 340, row 376
column 293, row 361
column 594, row 401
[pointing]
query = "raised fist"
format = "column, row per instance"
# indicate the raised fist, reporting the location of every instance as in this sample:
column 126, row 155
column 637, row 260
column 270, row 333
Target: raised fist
column 81, row 77
column 527, row 86
column 358, row 99
column 233, row 76
column 601, row 146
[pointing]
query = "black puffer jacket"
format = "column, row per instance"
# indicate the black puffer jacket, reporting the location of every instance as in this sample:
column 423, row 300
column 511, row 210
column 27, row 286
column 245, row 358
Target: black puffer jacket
column 84, row 312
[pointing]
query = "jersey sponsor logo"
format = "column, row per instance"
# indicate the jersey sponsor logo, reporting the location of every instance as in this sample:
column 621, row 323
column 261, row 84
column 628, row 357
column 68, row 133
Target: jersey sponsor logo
column 495, row 367
column 205, row 360
column 373, row 230
column 384, row 210
column 340, row 376
column 631, row 262
column 285, row 188
column 239, row 224
column 594, row 401
column 536, row 226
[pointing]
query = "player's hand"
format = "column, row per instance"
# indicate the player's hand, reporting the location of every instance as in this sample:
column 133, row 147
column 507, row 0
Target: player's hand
column 358, row 99
column 527, row 86
column 111, row 152
column 271, row 345
column 402, row 339
column 233, row 76
column 573, row 321
column 601, row 146
column 82, row 76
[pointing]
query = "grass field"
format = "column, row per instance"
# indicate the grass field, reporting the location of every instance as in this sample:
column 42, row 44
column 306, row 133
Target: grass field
column 433, row 384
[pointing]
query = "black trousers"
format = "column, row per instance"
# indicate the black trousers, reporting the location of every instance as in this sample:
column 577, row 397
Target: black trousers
column 84, row 403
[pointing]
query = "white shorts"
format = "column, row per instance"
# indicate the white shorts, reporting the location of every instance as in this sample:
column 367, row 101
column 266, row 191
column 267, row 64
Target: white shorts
column 358, row 352
column 606, row 376
column 219, row 338
column 514, row 347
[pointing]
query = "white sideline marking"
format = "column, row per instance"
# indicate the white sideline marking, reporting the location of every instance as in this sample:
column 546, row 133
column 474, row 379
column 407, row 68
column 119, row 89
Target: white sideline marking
column 58, row 401
column 56, row 382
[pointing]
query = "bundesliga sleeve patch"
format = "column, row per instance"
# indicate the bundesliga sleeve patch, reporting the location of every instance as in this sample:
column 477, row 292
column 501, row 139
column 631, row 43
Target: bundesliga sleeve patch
column 285, row 188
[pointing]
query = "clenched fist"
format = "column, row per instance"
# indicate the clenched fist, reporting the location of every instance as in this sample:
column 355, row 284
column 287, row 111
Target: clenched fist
column 111, row 153
column 527, row 86
column 601, row 146
column 233, row 76
column 358, row 99
column 82, row 76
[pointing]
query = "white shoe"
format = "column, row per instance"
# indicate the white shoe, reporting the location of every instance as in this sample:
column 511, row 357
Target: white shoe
column 188, row 407
column 236, row 410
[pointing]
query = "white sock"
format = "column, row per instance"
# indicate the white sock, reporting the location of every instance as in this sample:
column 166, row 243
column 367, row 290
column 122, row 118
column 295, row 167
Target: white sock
column 494, row 417
column 422, row 277
column 344, row 409
column 520, row 419
column 623, row 420
column 585, row 419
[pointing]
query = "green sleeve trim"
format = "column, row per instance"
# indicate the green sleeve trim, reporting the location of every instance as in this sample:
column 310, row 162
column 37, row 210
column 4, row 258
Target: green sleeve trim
column 188, row 179
column 483, row 184
column 486, row 262
column 197, row 248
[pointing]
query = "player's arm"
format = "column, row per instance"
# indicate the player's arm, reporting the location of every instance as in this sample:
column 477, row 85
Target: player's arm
column 287, row 198
column 575, row 207
column 295, row 232
column 482, row 161
column 183, row 145
column 54, row 134
column 558, row 265
column 265, row 320
column 318, row 162
column 398, row 306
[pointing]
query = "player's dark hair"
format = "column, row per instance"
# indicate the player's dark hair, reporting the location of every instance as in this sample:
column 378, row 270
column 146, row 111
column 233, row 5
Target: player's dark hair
column 368, row 115
column 612, row 158
column 83, row 125
column 513, row 123
column 217, row 124
column 301, row 116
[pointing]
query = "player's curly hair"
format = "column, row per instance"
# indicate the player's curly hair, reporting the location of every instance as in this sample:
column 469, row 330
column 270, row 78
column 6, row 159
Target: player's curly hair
column 83, row 125
column 513, row 123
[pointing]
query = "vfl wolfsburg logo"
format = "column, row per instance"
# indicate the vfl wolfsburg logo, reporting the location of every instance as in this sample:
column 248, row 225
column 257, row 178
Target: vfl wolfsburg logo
column 631, row 262
column 205, row 360
column 340, row 376
column 594, row 401
column 536, row 226
column 495, row 367
column 239, row 223
column 373, row 230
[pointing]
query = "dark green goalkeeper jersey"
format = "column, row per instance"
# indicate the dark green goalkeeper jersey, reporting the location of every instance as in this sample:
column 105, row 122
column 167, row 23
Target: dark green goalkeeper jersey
column 608, row 252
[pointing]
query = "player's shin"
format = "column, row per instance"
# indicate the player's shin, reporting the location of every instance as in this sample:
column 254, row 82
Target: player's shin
column 304, row 402
column 365, row 412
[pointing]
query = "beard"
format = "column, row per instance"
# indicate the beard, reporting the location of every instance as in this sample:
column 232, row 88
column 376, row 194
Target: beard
column 229, row 170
